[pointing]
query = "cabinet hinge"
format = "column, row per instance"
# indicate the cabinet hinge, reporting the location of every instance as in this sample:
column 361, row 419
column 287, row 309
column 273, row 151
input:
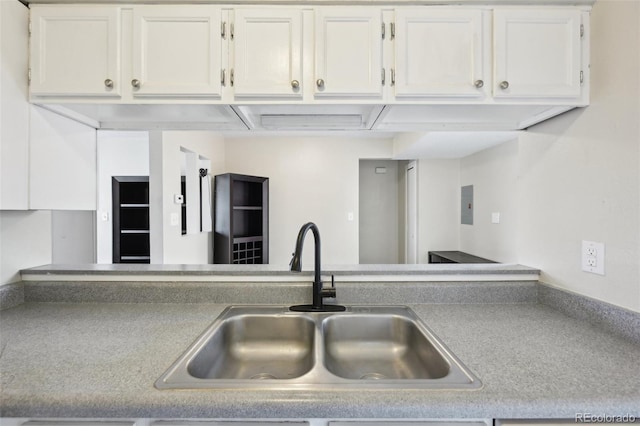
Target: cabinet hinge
column 581, row 30
column 29, row 76
column 393, row 30
column 383, row 30
column 29, row 27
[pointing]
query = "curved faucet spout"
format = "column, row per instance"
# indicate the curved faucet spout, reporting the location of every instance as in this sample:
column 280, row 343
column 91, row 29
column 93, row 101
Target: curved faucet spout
column 296, row 266
column 296, row 260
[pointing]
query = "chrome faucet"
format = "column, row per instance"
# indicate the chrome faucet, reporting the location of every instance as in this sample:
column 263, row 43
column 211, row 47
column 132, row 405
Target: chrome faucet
column 318, row 292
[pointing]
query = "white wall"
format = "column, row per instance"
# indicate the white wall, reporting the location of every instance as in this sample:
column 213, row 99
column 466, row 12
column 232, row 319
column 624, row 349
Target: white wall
column 494, row 176
column 119, row 154
column 177, row 248
column 73, row 236
column 438, row 206
column 310, row 179
column 580, row 173
column 25, row 242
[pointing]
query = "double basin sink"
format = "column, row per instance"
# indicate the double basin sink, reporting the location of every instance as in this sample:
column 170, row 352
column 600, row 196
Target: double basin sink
column 273, row 348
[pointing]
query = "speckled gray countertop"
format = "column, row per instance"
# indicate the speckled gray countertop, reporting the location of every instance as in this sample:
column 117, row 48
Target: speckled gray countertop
column 252, row 270
column 102, row 359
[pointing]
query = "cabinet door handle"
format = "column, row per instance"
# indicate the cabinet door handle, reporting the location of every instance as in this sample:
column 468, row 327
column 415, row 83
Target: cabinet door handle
column 135, row 83
column 320, row 83
column 295, row 84
column 393, row 77
column 223, row 77
column 504, row 85
column 478, row 84
column 383, row 76
column 223, row 30
column 231, row 77
column 108, row 83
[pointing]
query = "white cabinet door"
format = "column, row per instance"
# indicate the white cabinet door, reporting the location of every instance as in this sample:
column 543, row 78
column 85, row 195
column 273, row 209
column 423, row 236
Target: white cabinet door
column 348, row 52
column 177, row 51
column 267, row 47
column 62, row 163
column 75, row 51
column 537, row 53
column 14, row 108
column 439, row 52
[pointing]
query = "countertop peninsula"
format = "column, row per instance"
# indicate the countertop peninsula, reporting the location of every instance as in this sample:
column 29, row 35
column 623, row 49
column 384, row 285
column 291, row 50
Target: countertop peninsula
column 101, row 360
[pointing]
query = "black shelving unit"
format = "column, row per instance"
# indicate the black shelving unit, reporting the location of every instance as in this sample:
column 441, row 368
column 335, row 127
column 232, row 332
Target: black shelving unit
column 241, row 220
column 130, row 197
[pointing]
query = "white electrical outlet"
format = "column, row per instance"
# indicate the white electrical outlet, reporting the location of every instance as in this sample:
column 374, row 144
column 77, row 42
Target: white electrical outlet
column 593, row 257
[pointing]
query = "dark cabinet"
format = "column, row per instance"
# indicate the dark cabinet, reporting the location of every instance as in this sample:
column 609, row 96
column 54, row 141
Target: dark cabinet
column 130, row 219
column 241, row 220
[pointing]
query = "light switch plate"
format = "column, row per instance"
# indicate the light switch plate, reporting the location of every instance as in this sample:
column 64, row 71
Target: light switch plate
column 175, row 219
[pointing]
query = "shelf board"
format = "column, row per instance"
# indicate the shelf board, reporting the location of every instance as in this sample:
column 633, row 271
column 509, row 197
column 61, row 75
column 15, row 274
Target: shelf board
column 134, row 231
column 247, row 239
column 135, row 257
column 248, row 208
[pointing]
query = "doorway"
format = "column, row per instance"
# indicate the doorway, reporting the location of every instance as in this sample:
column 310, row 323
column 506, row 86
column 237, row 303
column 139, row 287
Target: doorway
column 383, row 212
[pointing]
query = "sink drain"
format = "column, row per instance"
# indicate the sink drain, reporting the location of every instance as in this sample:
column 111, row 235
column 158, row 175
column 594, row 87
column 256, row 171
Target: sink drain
column 373, row 376
column 262, row 376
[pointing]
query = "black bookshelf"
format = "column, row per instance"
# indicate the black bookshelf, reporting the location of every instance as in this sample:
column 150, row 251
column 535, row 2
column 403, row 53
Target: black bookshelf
column 130, row 197
column 241, row 219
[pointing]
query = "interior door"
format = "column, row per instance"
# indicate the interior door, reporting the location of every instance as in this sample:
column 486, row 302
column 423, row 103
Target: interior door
column 411, row 252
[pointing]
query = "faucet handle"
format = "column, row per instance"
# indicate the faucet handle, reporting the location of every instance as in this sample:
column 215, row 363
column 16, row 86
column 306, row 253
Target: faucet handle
column 331, row 291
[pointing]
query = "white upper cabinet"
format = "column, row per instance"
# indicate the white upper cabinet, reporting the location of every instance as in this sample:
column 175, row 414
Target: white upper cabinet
column 267, row 46
column 348, row 52
column 537, row 53
column 75, row 51
column 14, row 108
column 439, row 53
column 177, row 51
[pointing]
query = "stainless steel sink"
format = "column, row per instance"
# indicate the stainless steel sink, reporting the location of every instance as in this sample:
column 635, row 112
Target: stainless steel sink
column 363, row 347
column 380, row 346
column 257, row 347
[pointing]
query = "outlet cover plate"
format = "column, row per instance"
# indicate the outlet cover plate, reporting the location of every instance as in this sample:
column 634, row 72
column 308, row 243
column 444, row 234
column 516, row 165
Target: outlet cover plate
column 593, row 257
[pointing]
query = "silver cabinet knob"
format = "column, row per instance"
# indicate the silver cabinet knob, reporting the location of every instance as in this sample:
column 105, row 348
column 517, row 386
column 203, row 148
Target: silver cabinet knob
column 504, row 85
column 295, row 84
column 108, row 83
column 478, row 84
column 135, row 83
column 320, row 83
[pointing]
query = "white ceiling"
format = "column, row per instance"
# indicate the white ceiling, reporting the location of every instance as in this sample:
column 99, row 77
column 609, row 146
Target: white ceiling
column 447, row 145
